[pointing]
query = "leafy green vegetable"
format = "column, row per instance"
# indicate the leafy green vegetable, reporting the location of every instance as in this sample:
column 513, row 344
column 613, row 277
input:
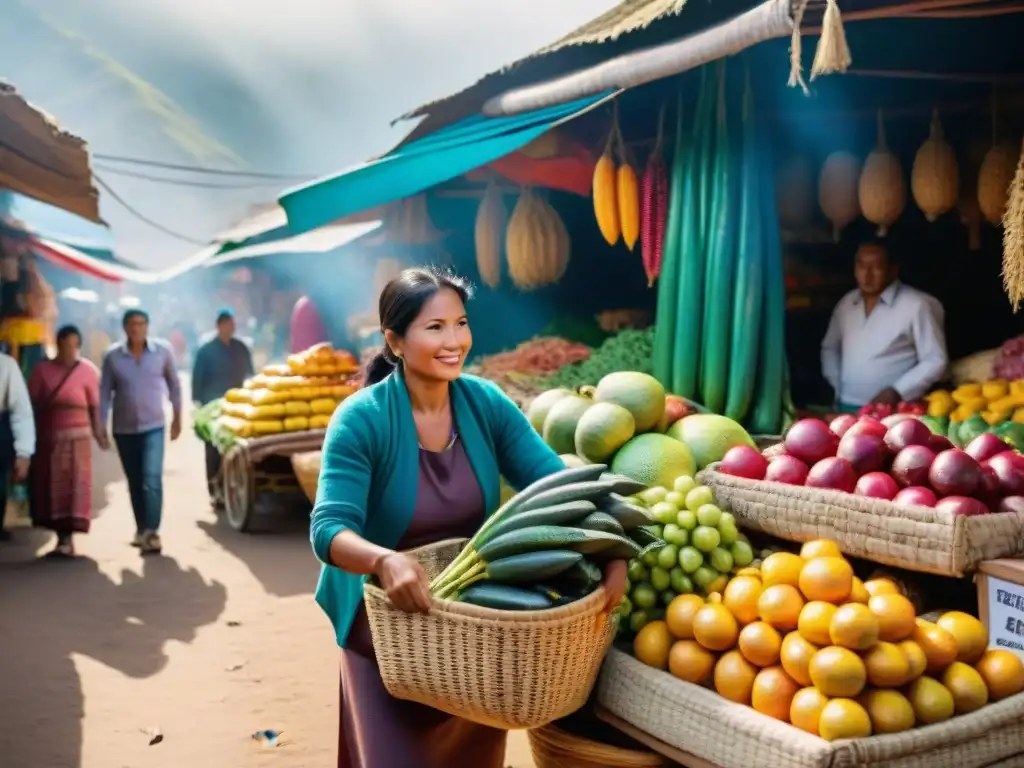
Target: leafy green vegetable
column 628, row 350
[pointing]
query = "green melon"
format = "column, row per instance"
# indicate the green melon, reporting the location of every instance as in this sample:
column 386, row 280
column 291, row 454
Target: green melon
column 640, row 394
column 560, row 424
column 537, row 412
column 654, row 459
column 602, row 430
column 709, row 436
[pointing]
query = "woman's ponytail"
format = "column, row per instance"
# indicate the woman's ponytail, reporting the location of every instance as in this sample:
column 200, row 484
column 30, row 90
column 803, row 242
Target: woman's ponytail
column 380, row 367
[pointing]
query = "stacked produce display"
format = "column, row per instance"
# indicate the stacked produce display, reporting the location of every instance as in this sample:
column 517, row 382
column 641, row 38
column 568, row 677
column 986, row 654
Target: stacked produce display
column 995, row 406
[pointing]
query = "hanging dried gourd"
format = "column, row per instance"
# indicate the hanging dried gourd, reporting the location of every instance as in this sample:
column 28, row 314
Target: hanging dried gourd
column 605, row 194
column 407, row 222
column 837, row 190
column 654, row 207
column 488, row 233
column 627, row 192
column 935, row 178
column 794, row 192
column 1013, row 237
column 882, row 190
column 536, row 243
column 994, row 179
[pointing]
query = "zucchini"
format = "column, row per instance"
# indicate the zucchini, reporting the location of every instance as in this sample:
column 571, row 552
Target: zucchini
column 601, row 521
column 589, row 491
column 542, row 537
column 530, row 567
column 556, row 595
column 583, row 574
column 505, row 598
column 622, row 549
column 559, row 514
column 624, row 486
column 645, row 536
column 629, row 515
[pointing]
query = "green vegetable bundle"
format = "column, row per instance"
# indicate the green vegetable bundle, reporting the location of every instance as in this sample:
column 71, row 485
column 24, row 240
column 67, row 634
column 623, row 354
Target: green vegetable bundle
column 545, row 546
column 628, row 350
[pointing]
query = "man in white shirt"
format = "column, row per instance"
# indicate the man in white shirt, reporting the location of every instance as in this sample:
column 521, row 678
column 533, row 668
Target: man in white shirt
column 17, row 429
column 886, row 341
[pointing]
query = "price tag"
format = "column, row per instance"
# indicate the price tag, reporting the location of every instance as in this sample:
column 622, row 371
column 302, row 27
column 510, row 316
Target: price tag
column 1005, row 615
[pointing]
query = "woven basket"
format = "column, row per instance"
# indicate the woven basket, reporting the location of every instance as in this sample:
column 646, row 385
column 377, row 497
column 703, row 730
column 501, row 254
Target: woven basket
column 554, row 748
column 915, row 538
column 307, row 471
column 505, row 669
column 702, row 723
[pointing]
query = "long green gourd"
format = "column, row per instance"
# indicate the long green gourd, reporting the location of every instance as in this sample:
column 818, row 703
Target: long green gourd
column 719, row 269
column 748, row 291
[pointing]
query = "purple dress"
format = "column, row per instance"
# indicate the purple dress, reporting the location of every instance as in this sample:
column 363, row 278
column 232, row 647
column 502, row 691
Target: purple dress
column 376, row 730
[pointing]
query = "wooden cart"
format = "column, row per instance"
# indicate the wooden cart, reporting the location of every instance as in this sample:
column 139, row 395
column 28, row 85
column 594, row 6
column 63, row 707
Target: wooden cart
column 262, row 465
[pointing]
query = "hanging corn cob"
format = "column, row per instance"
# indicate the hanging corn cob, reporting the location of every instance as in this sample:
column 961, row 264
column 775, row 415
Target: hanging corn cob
column 654, row 192
column 627, row 192
column 605, row 194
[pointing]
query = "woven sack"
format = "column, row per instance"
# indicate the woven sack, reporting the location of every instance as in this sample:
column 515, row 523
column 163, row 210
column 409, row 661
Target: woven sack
column 307, row 471
column 554, row 748
column 915, row 538
column 505, row 669
column 699, row 721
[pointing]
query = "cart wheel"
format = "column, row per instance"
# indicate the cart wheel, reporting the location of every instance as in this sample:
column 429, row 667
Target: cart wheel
column 239, row 490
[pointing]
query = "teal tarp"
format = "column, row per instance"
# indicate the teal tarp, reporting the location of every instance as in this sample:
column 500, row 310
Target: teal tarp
column 422, row 164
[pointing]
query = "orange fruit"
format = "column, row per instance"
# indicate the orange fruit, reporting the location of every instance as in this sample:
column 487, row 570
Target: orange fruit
column 688, row 661
column 970, row 635
column 715, row 597
column 815, row 618
column 881, row 587
column 844, row 719
column 749, row 571
column 827, row 578
column 854, row 626
column 780, row 606
column 820, row 548
column 837, row 672
column 652, row 644
column 805, row 709
column 938, row 645
column 679, row 615
column 715, row 628
column 760, row 644
column 781, row 568
column 734, row 677
column 859, row 593
column 967, row 686
column 896, row 616
column 887, row 666
column 772, row 693
column 890, row 711
column 915, row 658
column 931, row 700
column 741, row 596
column 1003, row 673
column 796, row 654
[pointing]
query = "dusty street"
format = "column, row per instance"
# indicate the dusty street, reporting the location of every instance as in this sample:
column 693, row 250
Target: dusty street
column 215, row 640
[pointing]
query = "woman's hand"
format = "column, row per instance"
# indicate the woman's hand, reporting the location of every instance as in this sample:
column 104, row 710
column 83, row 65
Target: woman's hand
column 614, row 583
column 405, row 582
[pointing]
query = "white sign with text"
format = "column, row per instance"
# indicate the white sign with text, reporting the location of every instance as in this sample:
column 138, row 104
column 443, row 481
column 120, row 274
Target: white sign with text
column 1006, row 615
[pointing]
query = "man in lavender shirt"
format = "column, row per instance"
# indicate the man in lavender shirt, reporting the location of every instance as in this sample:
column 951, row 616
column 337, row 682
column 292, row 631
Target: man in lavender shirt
column 886, row 340
column 137, row 372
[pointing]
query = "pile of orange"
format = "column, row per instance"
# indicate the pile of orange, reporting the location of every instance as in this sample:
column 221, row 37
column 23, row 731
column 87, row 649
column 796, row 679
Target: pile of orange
column 803, row 640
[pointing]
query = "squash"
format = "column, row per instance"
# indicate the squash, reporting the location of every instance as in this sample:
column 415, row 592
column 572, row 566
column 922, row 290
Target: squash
column 935, row 178
column 628, row 192
column 997, row 170
column 794, row 192
column 238, row 396
column 882, row 190
column 323, row 405
column 267, row 397
column 296, row 408
column 319, row 421
column 295, row 423
column 837, row 190
column 267, row 426
column 606, row 199
column 276, row 370
column 260, row 412
column 488, row 231
column 536, row 243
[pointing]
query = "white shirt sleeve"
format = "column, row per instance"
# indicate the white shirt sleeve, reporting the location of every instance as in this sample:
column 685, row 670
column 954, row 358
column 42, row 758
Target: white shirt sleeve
column 19, row 406
column 831, row 348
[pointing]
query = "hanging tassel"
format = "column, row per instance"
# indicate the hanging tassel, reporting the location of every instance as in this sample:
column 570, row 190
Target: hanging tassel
column 796, row 75
column 832, row 54
column 1013, row 238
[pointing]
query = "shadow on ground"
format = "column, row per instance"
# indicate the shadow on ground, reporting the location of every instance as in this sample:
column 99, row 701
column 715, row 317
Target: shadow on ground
column 53, row 609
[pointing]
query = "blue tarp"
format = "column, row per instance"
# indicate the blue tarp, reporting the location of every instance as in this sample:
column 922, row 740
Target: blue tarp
column 422, row 164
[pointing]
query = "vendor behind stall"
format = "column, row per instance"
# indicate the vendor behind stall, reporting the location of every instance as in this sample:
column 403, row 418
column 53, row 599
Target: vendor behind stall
column 885, row 342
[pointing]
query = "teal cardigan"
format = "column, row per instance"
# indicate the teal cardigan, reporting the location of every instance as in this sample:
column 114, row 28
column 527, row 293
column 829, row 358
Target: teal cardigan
column 370, row 470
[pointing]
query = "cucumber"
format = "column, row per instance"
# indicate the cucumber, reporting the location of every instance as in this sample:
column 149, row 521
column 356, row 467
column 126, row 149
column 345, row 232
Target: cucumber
column 629, row 515
column 583, row 574
column 645, row 537
column 531, row 566
column 601, row 521
column 556, row 595
column 542, row 537
column 624, row 486
column 559, row 514
column 505, row 598
column 623, row 549
column 589, row 491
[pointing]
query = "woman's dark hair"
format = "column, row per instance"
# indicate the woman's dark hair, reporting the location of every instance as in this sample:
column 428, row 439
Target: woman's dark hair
column 401, row 302
column 68, row 330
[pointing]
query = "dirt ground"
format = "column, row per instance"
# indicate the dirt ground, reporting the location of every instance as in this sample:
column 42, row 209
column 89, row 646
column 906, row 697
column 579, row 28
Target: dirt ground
column 216, row 640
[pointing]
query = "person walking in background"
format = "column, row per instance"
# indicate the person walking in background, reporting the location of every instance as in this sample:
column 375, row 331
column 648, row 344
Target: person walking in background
column 222, row 363
column 135, row 375
column 65, row 398
column 17, row 431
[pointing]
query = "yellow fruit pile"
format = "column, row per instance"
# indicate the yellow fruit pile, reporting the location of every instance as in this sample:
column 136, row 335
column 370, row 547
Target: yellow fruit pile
column 291, row 398
column 997, row 400
column 806, row 642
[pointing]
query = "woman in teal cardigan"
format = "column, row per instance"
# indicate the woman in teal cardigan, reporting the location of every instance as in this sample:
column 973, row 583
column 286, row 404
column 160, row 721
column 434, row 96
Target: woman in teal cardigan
column 414, row 458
